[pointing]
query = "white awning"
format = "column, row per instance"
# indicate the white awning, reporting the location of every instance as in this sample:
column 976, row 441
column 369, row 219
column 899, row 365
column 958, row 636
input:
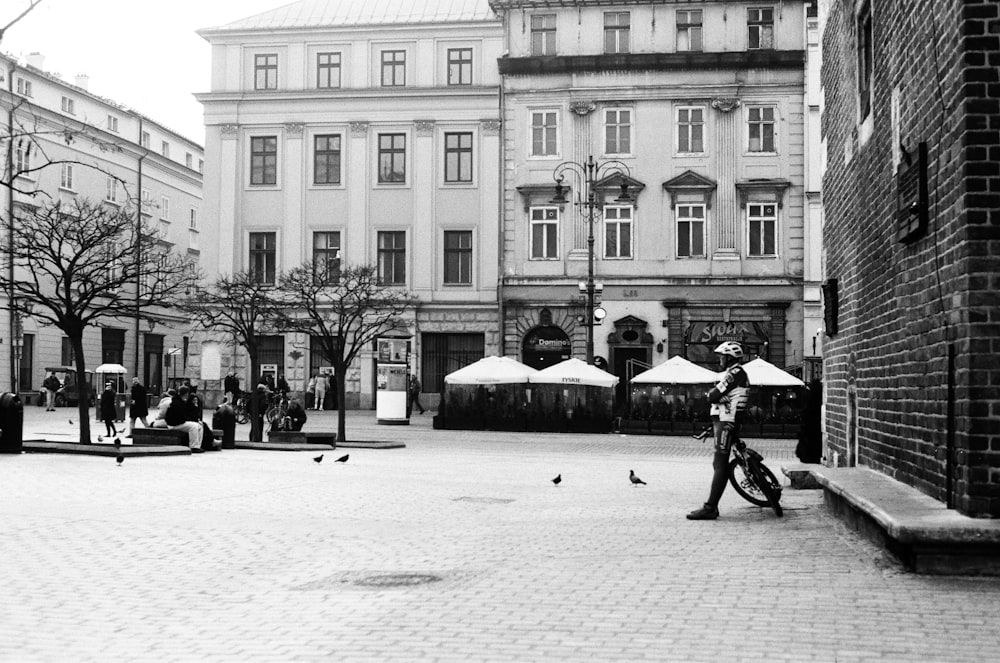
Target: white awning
column 491, row 370
column 676, row 370
column 572, row 372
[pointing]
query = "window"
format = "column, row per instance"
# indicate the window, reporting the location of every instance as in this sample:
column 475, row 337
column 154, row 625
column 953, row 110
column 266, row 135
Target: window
column 762, row 223
column 145, row 200
column 326, row 159
column 265, row 71
column 761, row 128
column 66, row 176
column 458, row 257
column 326, row 256
column 865, row 60
column 24, row 87
column 144, row 140
column 263, row 160
column 760, row 27
column 543, row 34
column 111, row 189
column 22, row 157
column 68, row 105
column 544, row 133
column 689, row 30
column 617, row 131
column 165, row 149
column 442, row 354
column 271, row 350
column 690, row 231
column 459, row 66
column 393, row 68
column 112, row 123
column 66, row 355
column 691, row 129
column 193, row 219
column 616, row 32
column 617, row 232
column 263, row 257
column 327, row 70
column 458, row 157
column 392, row 257
column 164, row 208
column 391, row 158
column 188, row 160
column 544, row 233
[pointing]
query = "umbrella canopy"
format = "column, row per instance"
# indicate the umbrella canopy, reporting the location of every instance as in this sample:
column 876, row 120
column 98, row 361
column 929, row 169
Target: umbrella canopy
column 491, row 370
column 574, row 371
column 110, row 368
column 676, row 370
column 762, row 373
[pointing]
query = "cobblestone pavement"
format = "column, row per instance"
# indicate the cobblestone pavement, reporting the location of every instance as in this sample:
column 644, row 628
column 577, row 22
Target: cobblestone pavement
column 456, row 548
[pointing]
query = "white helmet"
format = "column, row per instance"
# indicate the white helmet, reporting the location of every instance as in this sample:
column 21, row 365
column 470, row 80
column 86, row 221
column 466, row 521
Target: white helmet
column 730, row 348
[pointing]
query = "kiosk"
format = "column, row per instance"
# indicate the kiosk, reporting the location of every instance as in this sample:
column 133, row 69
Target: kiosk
column 115, row 374
column 392, row 373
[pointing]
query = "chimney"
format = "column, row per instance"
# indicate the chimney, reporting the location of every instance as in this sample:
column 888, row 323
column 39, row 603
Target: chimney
column 36, row 60
column 82, row 81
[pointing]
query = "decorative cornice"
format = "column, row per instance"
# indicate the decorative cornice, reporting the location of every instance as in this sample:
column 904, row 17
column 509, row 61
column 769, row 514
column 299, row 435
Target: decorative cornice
column 582, row 108
column 294, row 128
column 726, row 105
column 230, row 130
column 359, row 129
column 490, row 126
column 424, row 127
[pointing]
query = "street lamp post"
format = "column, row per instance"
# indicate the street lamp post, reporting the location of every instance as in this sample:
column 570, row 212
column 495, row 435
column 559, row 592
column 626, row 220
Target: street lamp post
column 588, row 174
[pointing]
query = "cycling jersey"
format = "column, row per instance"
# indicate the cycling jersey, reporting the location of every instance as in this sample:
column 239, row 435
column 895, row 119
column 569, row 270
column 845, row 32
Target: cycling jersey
column 729, row 396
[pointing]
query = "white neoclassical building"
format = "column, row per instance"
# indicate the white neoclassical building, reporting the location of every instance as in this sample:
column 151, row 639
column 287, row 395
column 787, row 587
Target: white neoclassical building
column 368, row 133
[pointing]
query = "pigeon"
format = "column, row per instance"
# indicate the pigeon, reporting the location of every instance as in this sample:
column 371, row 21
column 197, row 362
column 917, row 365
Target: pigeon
column 557, row 480
column 318, row 459
column 118, row 442
column 343, row 459
column 634, row 479
column 121, row 459
column 70, row 422
column 100, row 438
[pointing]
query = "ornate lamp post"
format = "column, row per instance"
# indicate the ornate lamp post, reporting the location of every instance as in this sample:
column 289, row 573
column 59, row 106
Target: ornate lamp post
column 588, row 174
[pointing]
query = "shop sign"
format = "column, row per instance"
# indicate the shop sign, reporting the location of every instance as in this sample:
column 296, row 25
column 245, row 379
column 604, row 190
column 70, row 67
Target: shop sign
column 718, row 332
column 546, row 339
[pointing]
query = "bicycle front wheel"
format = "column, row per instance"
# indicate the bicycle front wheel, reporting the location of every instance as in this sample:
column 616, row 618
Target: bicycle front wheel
column 755, row 483
column 242, row 416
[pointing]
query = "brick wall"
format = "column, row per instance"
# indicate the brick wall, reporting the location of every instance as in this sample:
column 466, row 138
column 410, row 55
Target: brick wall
column 895, row 402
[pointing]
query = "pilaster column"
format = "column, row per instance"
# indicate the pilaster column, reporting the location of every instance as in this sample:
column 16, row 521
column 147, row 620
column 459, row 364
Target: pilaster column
column 229, row 186
column 357, row 181
column 727, row 150
column 292, row 230
column 488, row 243
column 423, row 240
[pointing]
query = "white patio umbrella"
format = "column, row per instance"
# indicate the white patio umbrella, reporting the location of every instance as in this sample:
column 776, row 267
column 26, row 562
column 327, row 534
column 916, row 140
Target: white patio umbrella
column 574, row 371
column 676, row 370
column 762, row 373
column 491, row 370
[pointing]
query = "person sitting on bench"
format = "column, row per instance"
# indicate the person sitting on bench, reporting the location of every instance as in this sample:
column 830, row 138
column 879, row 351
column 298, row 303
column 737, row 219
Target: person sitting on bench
column 295, row 416
column 177, row 419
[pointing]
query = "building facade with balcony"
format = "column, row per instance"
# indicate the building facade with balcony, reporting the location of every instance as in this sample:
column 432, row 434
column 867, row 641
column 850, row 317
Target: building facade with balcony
column 701, row 109
column 365, row 134
column 69, row 143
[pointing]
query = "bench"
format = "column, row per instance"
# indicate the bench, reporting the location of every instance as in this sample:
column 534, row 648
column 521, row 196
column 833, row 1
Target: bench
column 302, row 437
column 172, row 437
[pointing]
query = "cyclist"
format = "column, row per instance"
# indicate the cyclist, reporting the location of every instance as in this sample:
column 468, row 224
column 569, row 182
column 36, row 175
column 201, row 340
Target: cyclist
column 729, row 399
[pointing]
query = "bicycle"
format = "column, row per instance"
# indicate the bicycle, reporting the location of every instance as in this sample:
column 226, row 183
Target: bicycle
column 242, row 410
column 750, row 477
column 277, row 413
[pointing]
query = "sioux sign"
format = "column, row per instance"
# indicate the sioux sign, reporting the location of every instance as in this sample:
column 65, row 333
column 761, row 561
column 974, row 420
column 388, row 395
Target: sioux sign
column 717, row 332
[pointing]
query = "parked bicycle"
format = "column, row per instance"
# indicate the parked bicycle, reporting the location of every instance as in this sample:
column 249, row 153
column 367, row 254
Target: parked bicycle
column 241, row 408
column 277, row 412
column 750, row 477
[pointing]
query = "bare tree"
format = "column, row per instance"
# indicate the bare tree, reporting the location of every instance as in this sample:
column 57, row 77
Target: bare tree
column 344, row 310
column 80, row 263
column 31, row 5
column 240, row 306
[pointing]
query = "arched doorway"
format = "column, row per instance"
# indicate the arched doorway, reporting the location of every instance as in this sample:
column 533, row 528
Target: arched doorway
column 545, row 346
column 631, row 349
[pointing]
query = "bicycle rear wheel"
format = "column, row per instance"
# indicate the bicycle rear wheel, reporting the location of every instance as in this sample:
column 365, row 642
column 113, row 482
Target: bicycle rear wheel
column 242, row 415
column 755, row 483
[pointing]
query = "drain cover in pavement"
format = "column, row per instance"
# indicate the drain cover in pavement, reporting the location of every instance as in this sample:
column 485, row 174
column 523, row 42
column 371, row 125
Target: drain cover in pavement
column 484, row 500
column 398, row 580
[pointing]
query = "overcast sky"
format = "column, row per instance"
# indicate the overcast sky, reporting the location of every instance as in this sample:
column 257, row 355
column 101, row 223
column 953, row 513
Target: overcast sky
column 140, row 53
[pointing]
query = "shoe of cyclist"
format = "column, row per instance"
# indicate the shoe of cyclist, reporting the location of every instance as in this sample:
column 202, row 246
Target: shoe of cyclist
column 706, row 512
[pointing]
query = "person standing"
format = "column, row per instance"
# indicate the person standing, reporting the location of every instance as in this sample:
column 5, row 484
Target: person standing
column 138, row 407
column 282, row 385
column 311, row 392
column 231, row 385
column 728, row 399
column 52, row 385
column 414, row 390
column 108, row 411
column 321, row 386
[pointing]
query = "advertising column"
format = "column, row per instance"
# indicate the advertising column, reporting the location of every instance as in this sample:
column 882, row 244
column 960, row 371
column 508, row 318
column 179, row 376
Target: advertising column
column 392, row 381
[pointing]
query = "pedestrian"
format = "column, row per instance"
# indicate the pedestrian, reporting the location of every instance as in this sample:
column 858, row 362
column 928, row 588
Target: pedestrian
column 231, row 385
column 259, row 401
column 138, row 407
column 52, row 385
column 311, row 392
column 321, row 386
column 160, row 420
column 108, row 410
column 177, row 419
column 728, row 399
column 282, row 385
column 414, row 391
column 269, row 381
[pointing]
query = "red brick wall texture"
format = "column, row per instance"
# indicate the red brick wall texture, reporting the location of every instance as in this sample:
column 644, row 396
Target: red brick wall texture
column 913, row 375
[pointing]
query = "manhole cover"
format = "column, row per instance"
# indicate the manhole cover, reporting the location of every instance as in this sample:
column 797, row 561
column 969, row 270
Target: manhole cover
column 484, row 500
column 398, row 580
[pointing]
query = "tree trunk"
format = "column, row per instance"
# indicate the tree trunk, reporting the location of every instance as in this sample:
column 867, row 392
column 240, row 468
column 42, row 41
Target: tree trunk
column 340, row 375
column 83, row 389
